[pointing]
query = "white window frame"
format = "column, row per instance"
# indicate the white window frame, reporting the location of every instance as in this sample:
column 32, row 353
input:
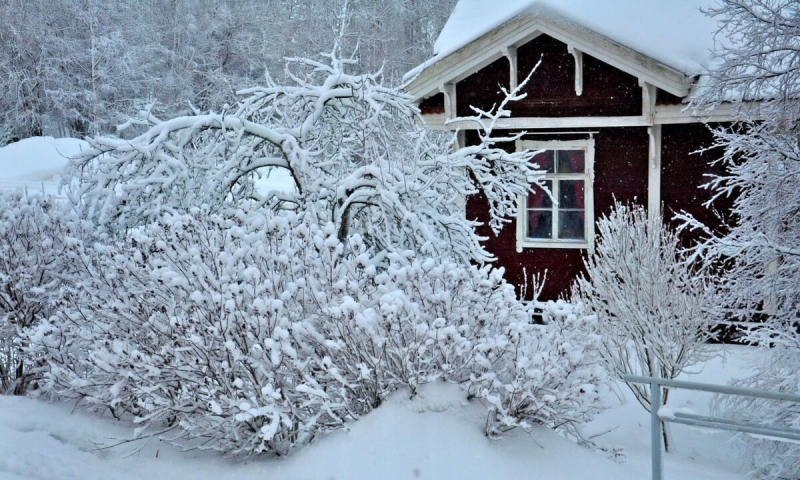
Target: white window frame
column 587, row 145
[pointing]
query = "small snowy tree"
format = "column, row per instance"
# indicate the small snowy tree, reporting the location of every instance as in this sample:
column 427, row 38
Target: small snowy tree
column 355, row 149
column 758, row 69
column 654, row 312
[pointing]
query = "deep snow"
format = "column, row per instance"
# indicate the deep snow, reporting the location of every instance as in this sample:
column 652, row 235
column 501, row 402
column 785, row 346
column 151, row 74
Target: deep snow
column 36, row 163
column 436, row 436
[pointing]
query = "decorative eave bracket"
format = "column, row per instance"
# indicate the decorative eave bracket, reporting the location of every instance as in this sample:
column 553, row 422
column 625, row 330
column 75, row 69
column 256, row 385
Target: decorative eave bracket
column 449, row 91
column 511, row 54
column 648, row 100
column 578, row 55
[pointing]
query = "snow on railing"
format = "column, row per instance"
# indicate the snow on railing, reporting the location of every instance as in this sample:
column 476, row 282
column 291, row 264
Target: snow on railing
column 660, row 413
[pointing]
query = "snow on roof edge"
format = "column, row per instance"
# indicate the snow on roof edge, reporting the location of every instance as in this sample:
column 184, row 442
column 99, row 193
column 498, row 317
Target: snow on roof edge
column 673, row 32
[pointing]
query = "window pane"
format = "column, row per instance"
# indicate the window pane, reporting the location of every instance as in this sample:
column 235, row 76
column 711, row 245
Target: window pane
column 540, row 198
column 540, row 224
column 571, row 161
column 570, row 224
column 545, row 160
column 571, row 194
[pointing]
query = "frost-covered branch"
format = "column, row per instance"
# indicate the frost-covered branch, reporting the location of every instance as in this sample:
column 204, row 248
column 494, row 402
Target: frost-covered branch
column 355, row 150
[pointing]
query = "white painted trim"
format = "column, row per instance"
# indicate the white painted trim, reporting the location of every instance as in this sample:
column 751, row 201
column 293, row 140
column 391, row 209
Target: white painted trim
column 672, row 114
column 519, row 31
column 578, row 55
column 663, row 115
column 588, row 176
column 654, row 172
column 555, row 122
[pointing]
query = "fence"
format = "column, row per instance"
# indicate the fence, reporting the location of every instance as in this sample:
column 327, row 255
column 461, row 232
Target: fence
column 703, row 420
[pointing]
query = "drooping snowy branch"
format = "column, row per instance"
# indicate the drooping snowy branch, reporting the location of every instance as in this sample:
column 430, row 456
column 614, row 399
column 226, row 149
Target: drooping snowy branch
column 354, row 148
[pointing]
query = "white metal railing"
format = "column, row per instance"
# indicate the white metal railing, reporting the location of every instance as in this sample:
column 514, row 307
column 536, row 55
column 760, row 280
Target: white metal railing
column 703, row 420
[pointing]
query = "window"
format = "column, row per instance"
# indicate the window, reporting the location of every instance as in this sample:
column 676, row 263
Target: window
column 565, row 217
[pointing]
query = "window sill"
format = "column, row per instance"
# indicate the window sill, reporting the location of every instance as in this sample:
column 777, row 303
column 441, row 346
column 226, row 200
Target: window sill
column 530, row 244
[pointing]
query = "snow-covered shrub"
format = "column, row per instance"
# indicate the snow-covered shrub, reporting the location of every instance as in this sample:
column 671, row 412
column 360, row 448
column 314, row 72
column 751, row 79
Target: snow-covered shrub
column 654, row 311
column 198, row 325
column 254, row 332
column 408, row 321
column 248, row 322
column 532, row 374
column 425, row 320
column 36, row 233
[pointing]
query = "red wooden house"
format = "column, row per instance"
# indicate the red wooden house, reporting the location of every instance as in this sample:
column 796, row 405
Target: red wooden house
column 607, row 104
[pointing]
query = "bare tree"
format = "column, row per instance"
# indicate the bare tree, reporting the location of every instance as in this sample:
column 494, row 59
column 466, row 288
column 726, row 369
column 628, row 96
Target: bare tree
column 654, row 313
column 758, row 70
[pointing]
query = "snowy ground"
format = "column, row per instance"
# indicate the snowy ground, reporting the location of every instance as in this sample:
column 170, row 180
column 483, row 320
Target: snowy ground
column 436, row 436
column 36, row 163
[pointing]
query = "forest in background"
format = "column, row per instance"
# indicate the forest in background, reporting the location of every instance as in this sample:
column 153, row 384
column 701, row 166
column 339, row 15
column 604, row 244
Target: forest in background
column 81, row 67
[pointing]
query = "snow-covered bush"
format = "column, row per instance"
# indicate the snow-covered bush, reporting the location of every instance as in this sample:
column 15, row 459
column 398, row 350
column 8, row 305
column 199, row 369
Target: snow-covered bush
column 252, row 322
column 254, row 332
column 653, row 310
column 36, row 233
column 532, row 374
column 198, row 326
column 758, row 71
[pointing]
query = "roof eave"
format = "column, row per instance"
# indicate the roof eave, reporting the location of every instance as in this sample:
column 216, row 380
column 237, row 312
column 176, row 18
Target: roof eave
column 486, row 49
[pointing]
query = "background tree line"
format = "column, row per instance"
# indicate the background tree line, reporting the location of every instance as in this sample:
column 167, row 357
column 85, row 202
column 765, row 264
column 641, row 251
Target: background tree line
column 78, row 67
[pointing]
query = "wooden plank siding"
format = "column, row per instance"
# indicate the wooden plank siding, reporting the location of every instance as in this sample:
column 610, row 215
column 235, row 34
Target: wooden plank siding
column 684, row 171
column 607, row 91
column 620, row 163
column 622, row 160
column 482, row 89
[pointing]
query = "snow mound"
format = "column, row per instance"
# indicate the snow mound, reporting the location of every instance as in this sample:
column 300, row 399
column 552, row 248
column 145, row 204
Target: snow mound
column 36, row 163
column 435, row 435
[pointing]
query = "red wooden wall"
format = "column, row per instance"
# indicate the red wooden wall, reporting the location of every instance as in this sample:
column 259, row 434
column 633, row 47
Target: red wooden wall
column 620, row 163
column 607, row 91
column 685, row 170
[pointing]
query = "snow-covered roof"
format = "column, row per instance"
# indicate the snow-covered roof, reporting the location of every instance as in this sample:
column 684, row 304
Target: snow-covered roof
column 674, row 33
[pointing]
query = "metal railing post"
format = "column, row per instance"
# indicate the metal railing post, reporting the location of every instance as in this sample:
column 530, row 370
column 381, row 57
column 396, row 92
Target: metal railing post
column 655, row 431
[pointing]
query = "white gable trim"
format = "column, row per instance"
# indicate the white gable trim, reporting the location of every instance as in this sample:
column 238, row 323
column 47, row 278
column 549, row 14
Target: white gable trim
column 521, row 30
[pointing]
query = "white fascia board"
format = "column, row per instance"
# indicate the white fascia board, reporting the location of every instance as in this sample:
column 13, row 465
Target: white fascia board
column 663, row 115
column 541, row 122
column 472, row 57
column 519, row 31
column 670, row 114
column 645, row 68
